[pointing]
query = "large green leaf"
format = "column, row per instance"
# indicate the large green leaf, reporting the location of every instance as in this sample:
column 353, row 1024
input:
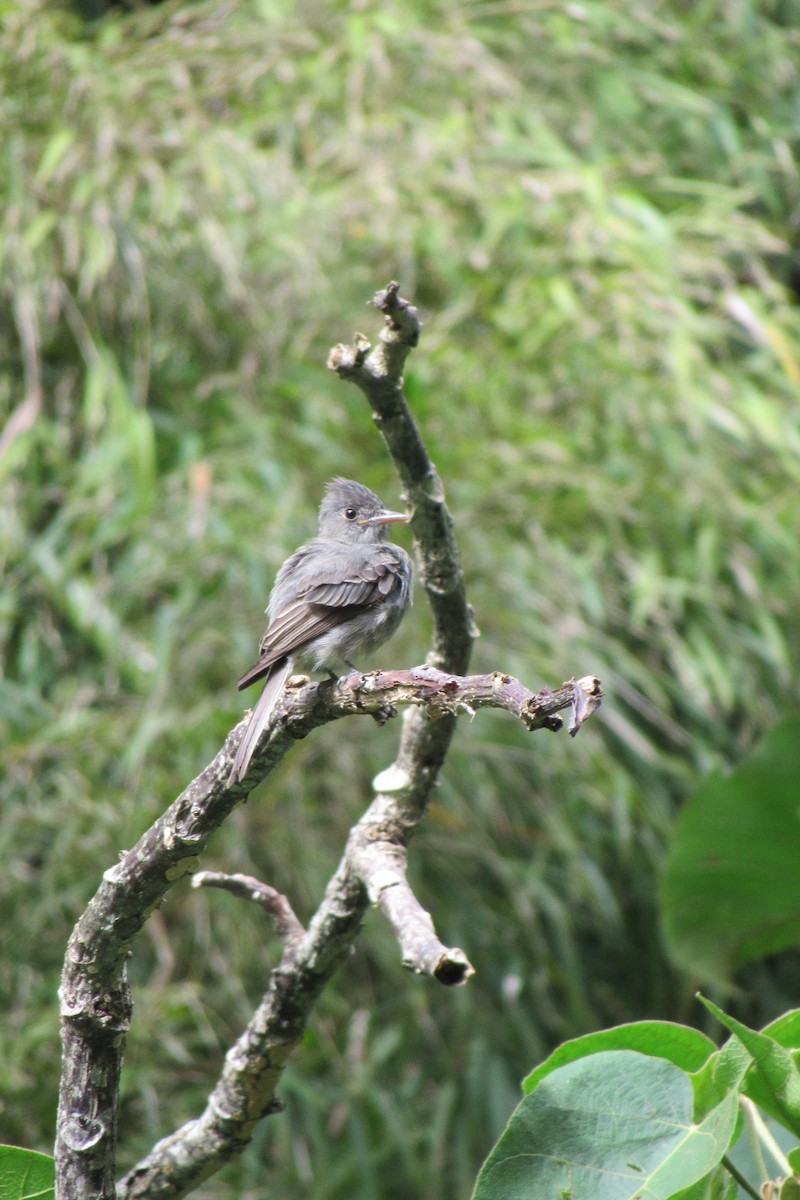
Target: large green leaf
column 25, row 1174
column 773, row 1081
column 613, row 1126
column 685, row 1047
column 726, row 893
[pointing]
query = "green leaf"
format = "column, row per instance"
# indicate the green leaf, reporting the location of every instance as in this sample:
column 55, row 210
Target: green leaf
column 54, row 152
column 785, row 1029
column 684, row 1047
column 719, row 1185
column 726, row 896
column 722, row 1073
column 40, row 227
column 613, row 1126
column 25, row 1174
column 774, row 1080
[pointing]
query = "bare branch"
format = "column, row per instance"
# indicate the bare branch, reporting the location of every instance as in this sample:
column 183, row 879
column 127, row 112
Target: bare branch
column 586, row 698
column 378, row 372
column 95, row 1000
column 245, row 1090
column 439, row 693
column 372, row 869
column 246, row 887
column 381, row 865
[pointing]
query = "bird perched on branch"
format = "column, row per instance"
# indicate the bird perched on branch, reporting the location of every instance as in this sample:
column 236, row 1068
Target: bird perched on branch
column 341, row 594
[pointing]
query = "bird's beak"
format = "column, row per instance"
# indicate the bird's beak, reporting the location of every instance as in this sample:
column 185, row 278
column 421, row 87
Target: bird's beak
column 385, row 518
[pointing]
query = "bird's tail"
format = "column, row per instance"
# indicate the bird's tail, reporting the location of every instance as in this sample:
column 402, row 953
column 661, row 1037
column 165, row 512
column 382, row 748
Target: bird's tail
column 259, row 718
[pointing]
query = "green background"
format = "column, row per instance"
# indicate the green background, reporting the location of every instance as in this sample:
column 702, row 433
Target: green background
column 595, row 207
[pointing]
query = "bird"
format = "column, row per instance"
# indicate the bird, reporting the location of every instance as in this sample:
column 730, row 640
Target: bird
column 341, row 594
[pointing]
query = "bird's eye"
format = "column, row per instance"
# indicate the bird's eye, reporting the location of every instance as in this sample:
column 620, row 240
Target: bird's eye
column 351, row 513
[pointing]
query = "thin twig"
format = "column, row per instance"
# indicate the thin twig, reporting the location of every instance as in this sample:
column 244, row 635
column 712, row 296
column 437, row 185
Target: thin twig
column 246, row 887
column 381, row 865
column 743, row 1182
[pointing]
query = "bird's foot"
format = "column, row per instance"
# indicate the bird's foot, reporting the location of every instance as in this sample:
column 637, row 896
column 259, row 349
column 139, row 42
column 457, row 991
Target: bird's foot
column 382, row 715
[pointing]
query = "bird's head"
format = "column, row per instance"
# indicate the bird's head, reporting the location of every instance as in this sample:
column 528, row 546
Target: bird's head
column 350, row 512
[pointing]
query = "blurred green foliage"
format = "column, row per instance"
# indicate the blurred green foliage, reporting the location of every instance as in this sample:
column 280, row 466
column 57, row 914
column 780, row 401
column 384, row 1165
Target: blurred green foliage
column 595, row 205
column 724, row 899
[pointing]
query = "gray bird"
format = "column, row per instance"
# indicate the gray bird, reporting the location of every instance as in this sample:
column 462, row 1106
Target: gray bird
column 341, row 594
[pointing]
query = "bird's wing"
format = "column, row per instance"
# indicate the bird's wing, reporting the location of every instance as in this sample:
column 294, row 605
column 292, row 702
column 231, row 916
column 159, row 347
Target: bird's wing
column 321, row 606
column 293, row 628
column 368, row 584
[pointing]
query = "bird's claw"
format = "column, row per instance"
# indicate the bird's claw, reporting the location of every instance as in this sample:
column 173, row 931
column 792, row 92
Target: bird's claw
column 382, row 715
